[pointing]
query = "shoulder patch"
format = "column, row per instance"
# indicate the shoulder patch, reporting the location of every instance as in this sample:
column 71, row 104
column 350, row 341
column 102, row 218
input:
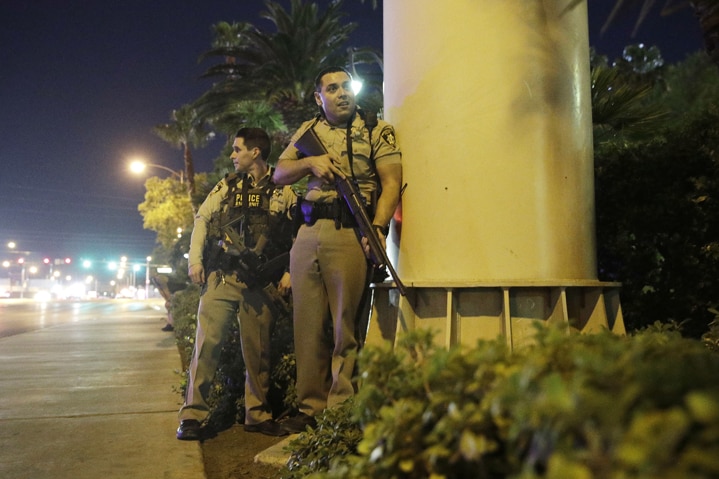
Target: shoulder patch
column 388, row 136
column 217, row 188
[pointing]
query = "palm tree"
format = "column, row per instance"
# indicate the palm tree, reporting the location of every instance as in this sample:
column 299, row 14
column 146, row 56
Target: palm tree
column 185, row 130
column 278, row 67
column 619, row 104
column 258, row 114
column 228, row 35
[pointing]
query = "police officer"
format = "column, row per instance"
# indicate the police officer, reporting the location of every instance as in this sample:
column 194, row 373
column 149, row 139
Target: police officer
column 329, row 267
column 241, row 235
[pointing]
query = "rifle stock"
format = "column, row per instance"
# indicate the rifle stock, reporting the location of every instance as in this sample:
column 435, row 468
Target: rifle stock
column 309, row 144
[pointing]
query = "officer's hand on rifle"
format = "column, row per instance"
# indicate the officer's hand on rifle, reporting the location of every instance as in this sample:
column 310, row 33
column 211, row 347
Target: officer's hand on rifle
column 366, row 247
column 197, row 274
column 283, row 287
column 324, row 167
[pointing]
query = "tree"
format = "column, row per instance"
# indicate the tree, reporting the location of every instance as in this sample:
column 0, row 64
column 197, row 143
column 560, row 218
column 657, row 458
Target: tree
column 166, row 209
column 185, row 130
column 238, row 114
column 692, row 86
column 277, row 67
column 657, row 198
column 657, row 216
column 622, row 92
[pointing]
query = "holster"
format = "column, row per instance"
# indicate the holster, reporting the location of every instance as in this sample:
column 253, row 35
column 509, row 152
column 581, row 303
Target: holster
column 335, row 210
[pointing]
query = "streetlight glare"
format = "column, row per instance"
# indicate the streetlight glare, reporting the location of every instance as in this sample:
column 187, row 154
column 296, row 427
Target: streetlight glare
column 137, row 166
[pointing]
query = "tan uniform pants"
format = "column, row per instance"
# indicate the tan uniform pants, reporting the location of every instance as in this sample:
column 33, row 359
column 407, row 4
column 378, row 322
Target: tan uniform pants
column 220, row 304
column 329, row 272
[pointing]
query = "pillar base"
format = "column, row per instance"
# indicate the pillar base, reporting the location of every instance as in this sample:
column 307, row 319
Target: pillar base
column 461, row 314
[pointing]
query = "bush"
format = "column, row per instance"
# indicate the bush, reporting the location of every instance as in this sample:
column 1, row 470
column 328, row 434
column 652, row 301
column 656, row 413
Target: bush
column 579, row 406
column 183, row 308
column 658, row 224
column 711, row 337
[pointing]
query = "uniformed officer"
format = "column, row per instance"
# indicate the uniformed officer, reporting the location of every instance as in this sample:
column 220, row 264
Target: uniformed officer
column 242, row 234
column 329, row 267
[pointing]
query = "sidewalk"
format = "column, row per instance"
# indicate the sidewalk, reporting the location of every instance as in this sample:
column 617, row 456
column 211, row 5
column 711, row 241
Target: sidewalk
column 93, row 399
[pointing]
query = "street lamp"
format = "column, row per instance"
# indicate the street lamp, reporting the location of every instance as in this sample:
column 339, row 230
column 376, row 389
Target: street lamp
column 139, row 166
column 21, row 261
column 12, row 246
column 356, row 80
column 147, row 277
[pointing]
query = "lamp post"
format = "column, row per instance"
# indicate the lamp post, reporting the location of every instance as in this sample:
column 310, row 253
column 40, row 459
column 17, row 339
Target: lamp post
column 138, row 166
column 12, row 246
column 22, row 277
column 147, row 277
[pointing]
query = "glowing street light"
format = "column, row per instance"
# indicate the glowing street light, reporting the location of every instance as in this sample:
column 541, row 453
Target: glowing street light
column 356, row 80
column 139, row 166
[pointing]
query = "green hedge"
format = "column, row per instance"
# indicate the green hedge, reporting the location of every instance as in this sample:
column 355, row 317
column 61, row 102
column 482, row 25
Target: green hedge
column 657, row 205
column 572, row 406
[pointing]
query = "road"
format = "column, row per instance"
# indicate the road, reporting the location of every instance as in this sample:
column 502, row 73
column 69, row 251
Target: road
column 22, row 316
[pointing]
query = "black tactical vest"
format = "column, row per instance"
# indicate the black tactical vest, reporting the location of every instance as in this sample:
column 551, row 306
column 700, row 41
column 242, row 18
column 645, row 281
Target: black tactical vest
column 249, row 207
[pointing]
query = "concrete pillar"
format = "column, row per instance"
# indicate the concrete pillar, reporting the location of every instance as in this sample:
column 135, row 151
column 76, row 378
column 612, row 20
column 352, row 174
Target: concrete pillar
column 491, row 103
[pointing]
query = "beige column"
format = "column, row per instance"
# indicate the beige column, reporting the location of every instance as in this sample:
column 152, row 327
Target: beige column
column 491, row 102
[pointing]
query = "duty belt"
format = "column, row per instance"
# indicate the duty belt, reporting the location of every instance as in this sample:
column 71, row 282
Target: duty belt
column 336, row 210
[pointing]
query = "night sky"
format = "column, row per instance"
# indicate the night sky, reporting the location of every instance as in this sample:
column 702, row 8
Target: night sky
column 82, row 83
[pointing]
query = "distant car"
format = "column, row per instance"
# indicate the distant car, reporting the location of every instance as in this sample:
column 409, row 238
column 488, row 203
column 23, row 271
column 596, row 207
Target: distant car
column 43, row 296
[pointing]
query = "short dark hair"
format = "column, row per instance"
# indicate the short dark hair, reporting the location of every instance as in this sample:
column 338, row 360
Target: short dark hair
column 327, row 70
column 256, row 138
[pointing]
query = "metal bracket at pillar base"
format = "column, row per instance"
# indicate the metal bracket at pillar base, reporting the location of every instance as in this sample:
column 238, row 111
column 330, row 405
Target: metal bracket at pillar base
column 464, row 313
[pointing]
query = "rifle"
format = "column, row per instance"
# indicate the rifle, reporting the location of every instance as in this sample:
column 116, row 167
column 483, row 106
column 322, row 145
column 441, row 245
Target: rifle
column 256, row 269
column 277, row 303
column 309, row 144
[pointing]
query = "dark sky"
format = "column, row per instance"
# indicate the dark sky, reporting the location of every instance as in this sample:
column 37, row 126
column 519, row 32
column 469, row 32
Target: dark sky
column 82, row 82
